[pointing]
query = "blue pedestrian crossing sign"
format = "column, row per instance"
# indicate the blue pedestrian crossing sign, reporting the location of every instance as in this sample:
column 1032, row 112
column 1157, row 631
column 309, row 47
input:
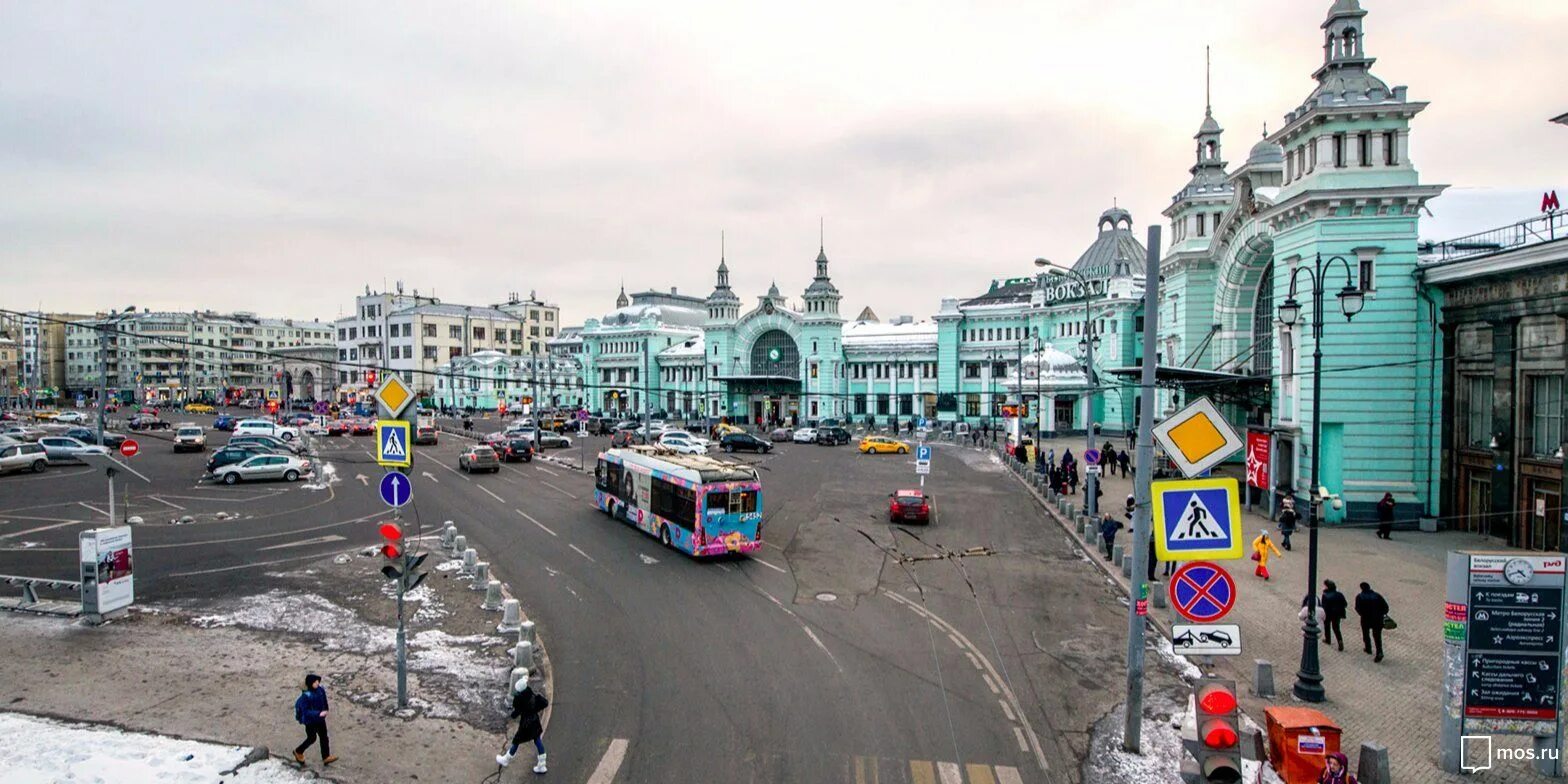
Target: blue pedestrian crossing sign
column 1197, row 519
column 392, row 447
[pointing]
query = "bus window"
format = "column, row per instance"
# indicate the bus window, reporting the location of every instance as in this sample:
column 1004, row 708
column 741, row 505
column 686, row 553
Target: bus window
column 674, row 503
column 738, row 502
column 607, row 477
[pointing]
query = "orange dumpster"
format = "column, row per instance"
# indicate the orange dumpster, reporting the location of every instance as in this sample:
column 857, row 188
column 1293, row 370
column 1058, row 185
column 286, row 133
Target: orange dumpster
column 1300, row 740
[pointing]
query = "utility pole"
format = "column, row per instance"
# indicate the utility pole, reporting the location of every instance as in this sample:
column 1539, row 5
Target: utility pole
column 1132, row 730
column 103, row 401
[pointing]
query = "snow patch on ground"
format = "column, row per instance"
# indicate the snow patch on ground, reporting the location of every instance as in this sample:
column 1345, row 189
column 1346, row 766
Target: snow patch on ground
column 1183, row 666
column 449, row 566
column 325, row 476
column 41, row 751
column 430, row 606
column 1161, row 753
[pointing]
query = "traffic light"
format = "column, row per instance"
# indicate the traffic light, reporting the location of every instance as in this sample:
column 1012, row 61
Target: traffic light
column 370, row 378
column 1218, row 721
column 401, row 564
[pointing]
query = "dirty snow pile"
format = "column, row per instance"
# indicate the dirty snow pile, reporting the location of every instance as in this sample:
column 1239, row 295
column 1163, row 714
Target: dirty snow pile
column 1160, row 743
column 43, row 751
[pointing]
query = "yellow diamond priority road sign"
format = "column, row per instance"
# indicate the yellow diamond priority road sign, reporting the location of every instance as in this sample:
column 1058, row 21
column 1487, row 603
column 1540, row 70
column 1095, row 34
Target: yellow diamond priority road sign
column 394, row 396
column 1197, row 438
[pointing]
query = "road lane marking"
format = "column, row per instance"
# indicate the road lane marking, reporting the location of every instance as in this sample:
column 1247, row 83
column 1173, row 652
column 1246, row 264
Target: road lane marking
column 1007, row 709
column 610, row 763
column 546, row 470
column 922, row 772
column 1007, row 774
column 431, row 477
column 581, row 553
column 303, row 542
column 86, row 505
column 950, row 773
column 247, row 566
column 492, row 495
column 166, row 503
column 557, row 489
column 455, row 472
column 1023, row 745
column 973, row 660
column 44, row 528
column 865, row 770
column 980, row 774
column 725, row 567
column 956, row 643
column 770, row 566
column 530, row 519
column 990, row 683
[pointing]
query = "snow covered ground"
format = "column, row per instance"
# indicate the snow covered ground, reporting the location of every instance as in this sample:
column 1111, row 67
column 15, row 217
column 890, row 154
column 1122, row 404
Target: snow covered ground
column 44, row 751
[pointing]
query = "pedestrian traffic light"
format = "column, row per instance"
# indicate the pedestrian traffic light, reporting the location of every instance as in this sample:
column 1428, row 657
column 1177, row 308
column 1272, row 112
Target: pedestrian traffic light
column 370, row 378
column 1217, row 717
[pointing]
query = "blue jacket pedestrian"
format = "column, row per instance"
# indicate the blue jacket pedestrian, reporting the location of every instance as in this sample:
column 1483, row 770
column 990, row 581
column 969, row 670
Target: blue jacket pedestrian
column 310, row 709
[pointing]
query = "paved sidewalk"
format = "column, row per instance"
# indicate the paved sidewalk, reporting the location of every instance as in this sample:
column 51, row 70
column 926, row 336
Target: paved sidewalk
column 1395, row 702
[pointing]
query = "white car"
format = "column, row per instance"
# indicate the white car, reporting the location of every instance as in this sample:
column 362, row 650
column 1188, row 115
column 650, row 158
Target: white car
column 71, row 417
column 189, row 436
column 68, row 450
column 681, row 436
column 682, row 443
column 251, row 427
column 805, row 435
column 285, row 467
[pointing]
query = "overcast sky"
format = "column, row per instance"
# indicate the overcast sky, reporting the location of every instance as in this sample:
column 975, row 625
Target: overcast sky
column 278, row 157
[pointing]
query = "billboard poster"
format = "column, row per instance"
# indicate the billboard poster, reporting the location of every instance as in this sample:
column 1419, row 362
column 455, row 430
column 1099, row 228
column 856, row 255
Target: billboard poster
column 1258, row 459
column 107, row 580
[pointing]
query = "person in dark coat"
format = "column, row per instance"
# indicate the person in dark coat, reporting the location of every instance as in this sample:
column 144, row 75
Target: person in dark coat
column 526, row 706
column 1124, row 460
column 1334, row 607
column 1108, row 528
column 1288, row 517
column 1385, row 517
column 310, row 709
column 1373, row 609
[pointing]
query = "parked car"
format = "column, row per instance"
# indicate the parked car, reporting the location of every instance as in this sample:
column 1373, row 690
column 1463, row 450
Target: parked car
column 223, row 422
column 70, row 417
column 45, row 415
column 147, row 422
column 23, row 433
column 479, row 458
column 684, row 442
column 781, row 434
column 189, row 437
column 361, row 427
column 805, row 435
column 82, row 434
column 198, row 408
column 61, row 449
column 600, row 426
column 515, row 449
column 246, row 427
column 232, row 454
column 494, row 440
column 833, row 436
column 876, row 445
column 273, row 442
column 549, row 440
column 910, row 506
column 23, row 457
column 744, row 442
column 426, row 435
column 258, row 467
column 299, row 420
column 625, row 438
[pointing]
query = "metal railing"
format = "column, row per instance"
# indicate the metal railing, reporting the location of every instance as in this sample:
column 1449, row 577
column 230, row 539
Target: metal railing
column 30, row 586
column 1544, row 228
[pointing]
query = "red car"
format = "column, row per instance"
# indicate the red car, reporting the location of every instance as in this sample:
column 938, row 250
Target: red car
column 910, row 506
column 361, row 427
column 336, row 427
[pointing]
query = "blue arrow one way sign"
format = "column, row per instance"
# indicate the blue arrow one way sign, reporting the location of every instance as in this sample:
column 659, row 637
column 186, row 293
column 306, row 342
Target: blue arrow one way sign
column 396, row 489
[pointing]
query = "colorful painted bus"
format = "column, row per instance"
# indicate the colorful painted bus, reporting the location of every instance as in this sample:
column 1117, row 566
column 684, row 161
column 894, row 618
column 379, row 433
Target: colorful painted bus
column 694, row 503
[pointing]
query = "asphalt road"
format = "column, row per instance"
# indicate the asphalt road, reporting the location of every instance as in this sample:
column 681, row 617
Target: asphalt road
column 828, row 657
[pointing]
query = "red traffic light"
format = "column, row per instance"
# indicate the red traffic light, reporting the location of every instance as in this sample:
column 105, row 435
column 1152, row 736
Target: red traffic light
column 391, row 532
column 390, row 550
column 1215, row 698
column 370, row 378
column 1219, row 734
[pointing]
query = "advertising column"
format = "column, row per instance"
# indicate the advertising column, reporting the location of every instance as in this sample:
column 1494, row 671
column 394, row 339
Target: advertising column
column 107, row 583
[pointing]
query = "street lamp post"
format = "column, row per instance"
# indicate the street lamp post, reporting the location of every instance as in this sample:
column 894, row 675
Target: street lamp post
column 1309, row 678
column 103, row 367
column 1091, row 503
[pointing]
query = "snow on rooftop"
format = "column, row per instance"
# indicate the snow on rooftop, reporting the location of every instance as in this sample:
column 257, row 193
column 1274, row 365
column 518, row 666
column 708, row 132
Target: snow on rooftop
column 867, row 333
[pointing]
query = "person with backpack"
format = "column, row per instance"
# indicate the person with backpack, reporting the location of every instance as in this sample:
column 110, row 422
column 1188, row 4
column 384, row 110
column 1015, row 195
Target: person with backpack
column 310, row 709
column 526, row 706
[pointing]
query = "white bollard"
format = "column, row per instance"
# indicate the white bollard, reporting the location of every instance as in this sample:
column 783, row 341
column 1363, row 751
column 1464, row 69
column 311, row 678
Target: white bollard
column 459, row 544
column 481, row 576
column 448, row 533
column 526, row 633
column 470, row 560
column 511, row 617
column 517, row 679
column 493, row 597
column 523, row 654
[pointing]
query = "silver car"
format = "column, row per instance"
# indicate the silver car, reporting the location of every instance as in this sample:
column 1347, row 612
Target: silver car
column 260, row 467
column 60, row 449
column 23, row 432
column 23, row 457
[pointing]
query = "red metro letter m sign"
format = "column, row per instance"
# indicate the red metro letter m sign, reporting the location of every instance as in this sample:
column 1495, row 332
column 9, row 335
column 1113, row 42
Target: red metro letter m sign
column 1549, row 203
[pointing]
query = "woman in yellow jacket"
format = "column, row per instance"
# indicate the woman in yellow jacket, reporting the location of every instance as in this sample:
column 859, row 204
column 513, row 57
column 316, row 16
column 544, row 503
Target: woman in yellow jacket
column 1261, row 547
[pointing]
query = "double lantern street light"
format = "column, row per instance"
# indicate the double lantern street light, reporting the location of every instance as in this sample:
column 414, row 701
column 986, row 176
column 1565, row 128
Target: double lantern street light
column 1309, row 678
column 1086, row 344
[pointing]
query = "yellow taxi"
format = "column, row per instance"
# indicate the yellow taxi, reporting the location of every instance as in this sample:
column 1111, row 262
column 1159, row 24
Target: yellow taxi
column 723, row 429
column 198, row 408
column 873, row 445
column 45, row 414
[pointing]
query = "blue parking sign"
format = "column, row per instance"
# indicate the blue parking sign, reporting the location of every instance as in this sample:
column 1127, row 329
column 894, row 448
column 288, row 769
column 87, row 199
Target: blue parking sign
column 923, row 453
column 1197, row 519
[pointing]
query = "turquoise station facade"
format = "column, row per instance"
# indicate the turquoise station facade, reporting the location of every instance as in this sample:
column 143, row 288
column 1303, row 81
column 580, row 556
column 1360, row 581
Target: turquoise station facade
column 1335, row 180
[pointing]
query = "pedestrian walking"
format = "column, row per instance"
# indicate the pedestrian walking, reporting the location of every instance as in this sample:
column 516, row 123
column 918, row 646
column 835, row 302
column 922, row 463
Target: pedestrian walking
column 1072, row 479
column 310, row 709
column 1123, row 460
column 526, row 706
column 1336, row 770
column 1385, row 517
column 1108, row 528
column 1373, row 609
column 1067, row 458
column 1050, row 456
column 1261, row 547
column 1334, row 607
column 1287, row 521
